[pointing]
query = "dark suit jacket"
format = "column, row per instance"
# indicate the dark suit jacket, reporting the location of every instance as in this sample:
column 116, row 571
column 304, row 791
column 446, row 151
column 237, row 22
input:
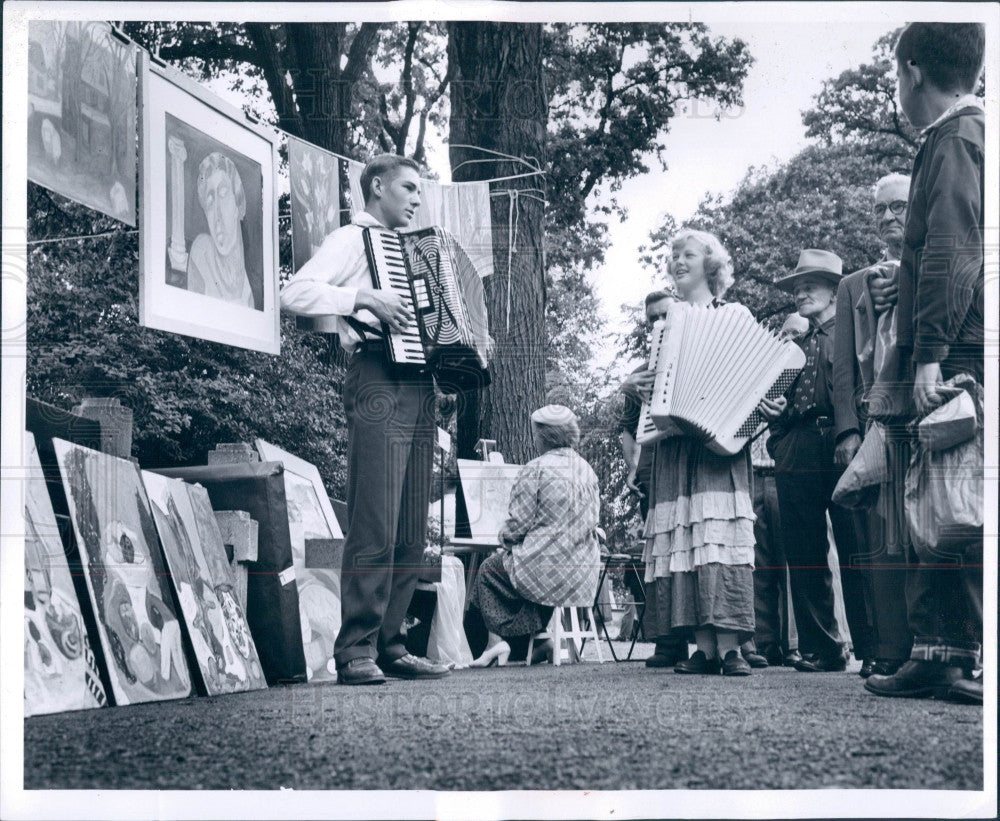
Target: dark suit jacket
column 853, row 348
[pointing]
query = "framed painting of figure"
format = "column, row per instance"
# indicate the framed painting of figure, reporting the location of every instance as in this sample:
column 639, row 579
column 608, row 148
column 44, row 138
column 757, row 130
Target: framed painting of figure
column 317, row 545
column 223, row 648
column 60, row 671
column 82, row 114
column 208, row 225
column 125, row 576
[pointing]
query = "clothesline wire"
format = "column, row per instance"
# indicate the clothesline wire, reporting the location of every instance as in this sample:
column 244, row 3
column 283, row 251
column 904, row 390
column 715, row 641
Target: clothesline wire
column 498, row 156
column 81, row 236
column 531, row 162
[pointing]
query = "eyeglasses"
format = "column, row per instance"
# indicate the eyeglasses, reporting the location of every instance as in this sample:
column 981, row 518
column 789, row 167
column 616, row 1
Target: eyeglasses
column 896, row 206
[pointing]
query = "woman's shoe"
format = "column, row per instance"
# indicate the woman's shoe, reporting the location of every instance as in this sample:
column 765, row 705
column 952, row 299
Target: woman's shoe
column 735, row 665
column 699, row 664
column 496, row 655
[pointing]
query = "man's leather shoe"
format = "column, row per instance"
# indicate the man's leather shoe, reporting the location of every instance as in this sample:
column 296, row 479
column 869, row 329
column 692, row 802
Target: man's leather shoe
column 773, row 654
column 966, row 691
column 822, row 664
column 699, row 664
column 886, row 667
column 867, row 668
column 756, row 660
column 360, row 671
column 916, row 679
column 792, row 658
column 413, row 667
column 735, row 665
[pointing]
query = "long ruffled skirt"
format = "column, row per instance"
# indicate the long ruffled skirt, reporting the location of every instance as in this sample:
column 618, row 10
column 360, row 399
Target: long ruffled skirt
column 699, row 541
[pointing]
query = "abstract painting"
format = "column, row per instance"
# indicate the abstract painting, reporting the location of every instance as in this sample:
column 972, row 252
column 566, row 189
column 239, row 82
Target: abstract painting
column 208, row 225
column 192, row 544
column 314, row 177
column 82, row 114
column 60, row 671
column 125, row 576
column 486, row 487
column 317, row 545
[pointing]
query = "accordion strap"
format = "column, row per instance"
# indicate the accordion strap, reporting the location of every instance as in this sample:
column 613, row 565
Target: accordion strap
column 362, row 329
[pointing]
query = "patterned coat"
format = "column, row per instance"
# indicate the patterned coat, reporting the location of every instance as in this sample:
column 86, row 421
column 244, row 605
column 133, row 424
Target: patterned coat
column 550, row 532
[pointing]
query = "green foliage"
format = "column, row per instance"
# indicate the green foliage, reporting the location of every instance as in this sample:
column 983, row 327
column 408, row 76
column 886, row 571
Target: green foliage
column 187, row 394
column 614, row 90
column 859, row 108
column 821, row 198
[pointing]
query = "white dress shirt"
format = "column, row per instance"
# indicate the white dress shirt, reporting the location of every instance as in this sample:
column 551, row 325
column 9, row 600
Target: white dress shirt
column 327, row 285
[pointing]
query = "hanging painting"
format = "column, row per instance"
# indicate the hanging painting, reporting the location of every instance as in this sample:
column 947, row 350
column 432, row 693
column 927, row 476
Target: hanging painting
column 314, row 177
column 224, row 651
column 82, row 114
column 125, row 575
column 317, row 544
column 208, row 225
column 60, row 672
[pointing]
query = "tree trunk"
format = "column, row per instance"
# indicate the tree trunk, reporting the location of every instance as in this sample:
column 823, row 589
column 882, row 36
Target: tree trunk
column 498, row 102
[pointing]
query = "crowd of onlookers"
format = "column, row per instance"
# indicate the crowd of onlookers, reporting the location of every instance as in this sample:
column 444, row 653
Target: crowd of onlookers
column 736, row 548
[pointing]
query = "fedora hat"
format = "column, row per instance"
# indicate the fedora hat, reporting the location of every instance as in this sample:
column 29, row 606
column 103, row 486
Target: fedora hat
column 816, row 263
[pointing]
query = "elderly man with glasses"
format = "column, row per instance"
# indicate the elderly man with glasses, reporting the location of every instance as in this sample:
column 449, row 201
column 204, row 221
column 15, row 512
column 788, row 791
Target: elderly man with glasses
column 865, row 303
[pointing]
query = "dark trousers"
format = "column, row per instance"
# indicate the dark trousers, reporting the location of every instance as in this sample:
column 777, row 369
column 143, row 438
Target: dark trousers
column 805, row 475
column 944, row 587
column 945, row 606
column 774, row 622
column 888, row 580
column 390, row 440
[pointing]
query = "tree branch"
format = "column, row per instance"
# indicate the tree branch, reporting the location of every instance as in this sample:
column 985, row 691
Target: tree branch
column 408, row 93
column 269, row 56
column 212, row 50
column 357, row 54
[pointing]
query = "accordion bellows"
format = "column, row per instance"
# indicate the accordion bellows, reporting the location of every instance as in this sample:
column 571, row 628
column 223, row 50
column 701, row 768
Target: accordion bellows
column 713, row 365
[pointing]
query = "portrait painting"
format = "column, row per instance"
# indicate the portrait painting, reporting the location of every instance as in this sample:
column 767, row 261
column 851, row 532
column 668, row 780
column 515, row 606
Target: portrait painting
column 223, row 648
column 208, row 255
column 486, row 487
column 82, row 114
column 314, row 178
column 60, row 671
column 317, row 550
column 125, row 576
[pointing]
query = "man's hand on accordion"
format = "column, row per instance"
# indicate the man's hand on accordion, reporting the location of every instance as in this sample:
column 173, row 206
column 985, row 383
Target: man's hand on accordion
column 771, row 409
column 639, row 384
column 386, row 305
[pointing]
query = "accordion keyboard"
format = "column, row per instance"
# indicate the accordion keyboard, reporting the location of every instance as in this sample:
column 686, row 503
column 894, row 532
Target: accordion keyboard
column 387, row 262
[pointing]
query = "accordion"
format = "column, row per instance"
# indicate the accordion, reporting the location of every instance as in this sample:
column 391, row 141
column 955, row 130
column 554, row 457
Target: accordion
column 439, row 283
column 713, row 365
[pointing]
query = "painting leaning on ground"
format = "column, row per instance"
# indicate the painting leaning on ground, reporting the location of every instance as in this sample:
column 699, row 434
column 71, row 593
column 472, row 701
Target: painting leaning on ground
column 82, row 114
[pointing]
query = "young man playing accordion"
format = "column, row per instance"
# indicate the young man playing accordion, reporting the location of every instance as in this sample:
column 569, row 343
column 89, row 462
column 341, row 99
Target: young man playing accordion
column 390, row 430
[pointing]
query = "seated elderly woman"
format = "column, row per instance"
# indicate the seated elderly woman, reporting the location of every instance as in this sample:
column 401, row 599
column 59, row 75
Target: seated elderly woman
column 549, row 554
